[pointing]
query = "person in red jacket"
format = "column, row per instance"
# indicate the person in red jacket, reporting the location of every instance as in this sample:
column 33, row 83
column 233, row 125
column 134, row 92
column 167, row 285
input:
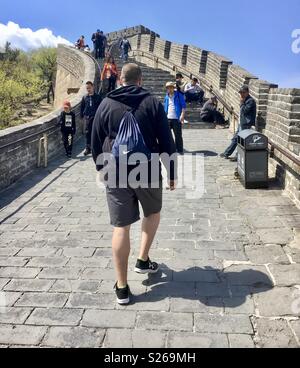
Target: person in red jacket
column 109, row 74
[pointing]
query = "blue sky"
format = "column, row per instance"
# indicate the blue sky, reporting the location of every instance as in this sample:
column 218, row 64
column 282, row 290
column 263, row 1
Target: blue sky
column 256, row 34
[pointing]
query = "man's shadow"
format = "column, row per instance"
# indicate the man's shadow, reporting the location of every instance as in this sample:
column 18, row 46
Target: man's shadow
column 208, row 286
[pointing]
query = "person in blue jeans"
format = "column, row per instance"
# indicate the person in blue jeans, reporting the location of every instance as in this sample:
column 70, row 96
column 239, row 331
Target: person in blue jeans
column 247, row 119
column 175, row 107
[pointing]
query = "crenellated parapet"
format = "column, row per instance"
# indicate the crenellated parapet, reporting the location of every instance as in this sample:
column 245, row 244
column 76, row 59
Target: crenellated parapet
column 278, row 109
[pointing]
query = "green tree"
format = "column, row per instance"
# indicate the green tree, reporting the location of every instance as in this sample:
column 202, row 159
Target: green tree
column 11, row 54
column 44, row 60
column 25, row 78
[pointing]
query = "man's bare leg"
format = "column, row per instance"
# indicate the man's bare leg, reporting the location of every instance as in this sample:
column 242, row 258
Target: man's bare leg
column 149, row 229
column 121, row 252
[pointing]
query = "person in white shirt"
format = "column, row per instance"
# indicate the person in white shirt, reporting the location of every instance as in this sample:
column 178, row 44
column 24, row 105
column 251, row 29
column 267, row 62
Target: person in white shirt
column 193, row 91
column 175, row 107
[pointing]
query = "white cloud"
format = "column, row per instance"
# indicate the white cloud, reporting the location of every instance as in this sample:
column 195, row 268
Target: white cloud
column 27, row 39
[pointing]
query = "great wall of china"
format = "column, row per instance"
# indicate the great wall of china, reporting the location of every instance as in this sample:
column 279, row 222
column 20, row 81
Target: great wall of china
column 278, row 109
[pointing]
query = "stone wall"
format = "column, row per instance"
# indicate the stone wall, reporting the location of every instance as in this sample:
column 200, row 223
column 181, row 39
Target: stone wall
column 236, row 77
column 278, row 109
column 217, row 71
column 129, row 32
column 283, row 128
column 19, row 145
column 197, row 60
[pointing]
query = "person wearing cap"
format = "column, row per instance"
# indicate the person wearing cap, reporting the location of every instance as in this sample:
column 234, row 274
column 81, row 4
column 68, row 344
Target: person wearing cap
column 247, row 119
column 180, row 83
column 210, row 113
column 67, row 124
column 175, row 107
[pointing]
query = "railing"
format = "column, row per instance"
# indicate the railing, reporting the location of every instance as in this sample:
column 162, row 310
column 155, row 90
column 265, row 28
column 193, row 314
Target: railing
column 208, row 87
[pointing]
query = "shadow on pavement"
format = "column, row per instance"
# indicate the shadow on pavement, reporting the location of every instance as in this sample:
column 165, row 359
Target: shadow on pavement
column 37, row 176
column 204, row 153
column 211, row 287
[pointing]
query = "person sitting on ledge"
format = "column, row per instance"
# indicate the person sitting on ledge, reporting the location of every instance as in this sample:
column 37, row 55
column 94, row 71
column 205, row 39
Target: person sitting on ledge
column 80, row 44
column 180, row 83
column 210, row 113
column 193, row 92
column 247, row 120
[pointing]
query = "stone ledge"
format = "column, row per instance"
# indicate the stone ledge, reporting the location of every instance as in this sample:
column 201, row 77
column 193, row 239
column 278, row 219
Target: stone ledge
column 23, row 157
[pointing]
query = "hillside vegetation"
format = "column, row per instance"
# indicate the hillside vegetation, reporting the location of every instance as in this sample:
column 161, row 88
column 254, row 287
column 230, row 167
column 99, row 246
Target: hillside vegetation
column 26, row 82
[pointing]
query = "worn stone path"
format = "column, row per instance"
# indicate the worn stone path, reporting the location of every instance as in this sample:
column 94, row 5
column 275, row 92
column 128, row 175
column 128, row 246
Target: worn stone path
column 230, row 264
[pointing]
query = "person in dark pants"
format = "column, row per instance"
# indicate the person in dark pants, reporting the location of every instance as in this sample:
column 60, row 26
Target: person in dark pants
column 210, row 114
column 97, row 39
column 247, row 119
column 89, row 107
column 103, row 46
column 67, row 124
column 193, row 92
column 175, row 107
column 109, row 75
column 125, row 47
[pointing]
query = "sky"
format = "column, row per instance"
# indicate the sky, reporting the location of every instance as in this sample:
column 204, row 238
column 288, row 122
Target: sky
column 262, row 36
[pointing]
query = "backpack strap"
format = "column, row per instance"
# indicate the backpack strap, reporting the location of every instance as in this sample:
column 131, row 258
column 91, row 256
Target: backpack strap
column 128, row 108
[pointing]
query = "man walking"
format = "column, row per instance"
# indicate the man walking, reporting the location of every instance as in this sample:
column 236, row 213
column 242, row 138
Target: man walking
column 149, row 121
column 103, row 45
column 247, row 119
column 125, row 47
column 89, row 107
column 175, row 107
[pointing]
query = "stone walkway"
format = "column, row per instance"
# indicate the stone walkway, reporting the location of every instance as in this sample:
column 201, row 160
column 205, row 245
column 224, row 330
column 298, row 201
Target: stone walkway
column 230, row 264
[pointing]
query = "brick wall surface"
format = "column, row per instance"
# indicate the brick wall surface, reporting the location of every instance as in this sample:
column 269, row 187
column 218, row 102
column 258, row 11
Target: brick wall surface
column 236, row 77
column 278, row 109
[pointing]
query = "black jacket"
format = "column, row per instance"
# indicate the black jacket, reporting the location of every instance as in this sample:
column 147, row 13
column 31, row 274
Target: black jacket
column 125, row 45
column 208, row 111
column 89, row 105
column 149, row 113
column 67, row 123
column 99, row 40
column 248, row 113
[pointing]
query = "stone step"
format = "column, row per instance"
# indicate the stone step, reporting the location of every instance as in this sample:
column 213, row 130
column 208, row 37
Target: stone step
column 199, row 125
column 155, row 80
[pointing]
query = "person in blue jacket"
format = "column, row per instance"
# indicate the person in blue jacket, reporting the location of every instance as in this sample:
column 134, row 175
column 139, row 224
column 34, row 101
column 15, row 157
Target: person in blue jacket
column 175, row 107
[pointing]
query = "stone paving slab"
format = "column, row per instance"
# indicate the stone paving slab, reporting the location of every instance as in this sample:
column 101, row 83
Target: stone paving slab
column 230, row 263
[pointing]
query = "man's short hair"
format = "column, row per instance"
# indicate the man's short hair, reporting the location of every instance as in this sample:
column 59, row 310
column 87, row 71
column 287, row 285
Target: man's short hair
column 195, row 80
column 89, row 83
column 131, row 73
column 179, row 75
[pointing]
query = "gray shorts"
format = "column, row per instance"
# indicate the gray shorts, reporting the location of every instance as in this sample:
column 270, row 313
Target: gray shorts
column 124, row 203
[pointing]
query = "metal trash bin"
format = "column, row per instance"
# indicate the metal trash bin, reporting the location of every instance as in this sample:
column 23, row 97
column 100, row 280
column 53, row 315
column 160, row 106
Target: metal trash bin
column 253, row 159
